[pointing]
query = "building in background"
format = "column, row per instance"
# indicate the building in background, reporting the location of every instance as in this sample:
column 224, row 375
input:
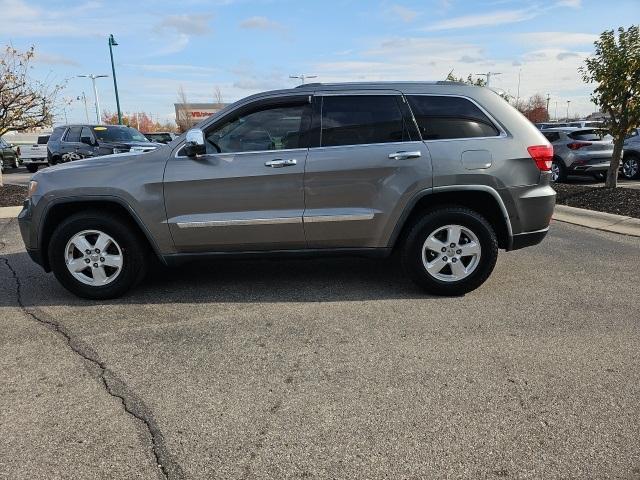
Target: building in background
column 188, row 114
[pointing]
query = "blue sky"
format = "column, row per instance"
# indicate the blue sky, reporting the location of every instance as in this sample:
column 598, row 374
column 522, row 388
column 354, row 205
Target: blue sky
column 246, row 46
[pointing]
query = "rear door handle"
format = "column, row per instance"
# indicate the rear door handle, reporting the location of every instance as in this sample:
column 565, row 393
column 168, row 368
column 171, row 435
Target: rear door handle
column 278, row 163
column 404, row 155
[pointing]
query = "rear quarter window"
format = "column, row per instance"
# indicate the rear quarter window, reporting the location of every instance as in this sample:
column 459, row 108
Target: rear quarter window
column 442, row 117
column 552, row 136
column 587, row 135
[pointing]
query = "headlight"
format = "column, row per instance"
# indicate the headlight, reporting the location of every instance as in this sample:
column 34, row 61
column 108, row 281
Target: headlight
column 33, row 186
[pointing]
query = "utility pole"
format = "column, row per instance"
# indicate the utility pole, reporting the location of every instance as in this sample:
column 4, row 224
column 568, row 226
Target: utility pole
column 113, row 43
column 488, row 75
column 568, row 102
column 83, row 97
column 518, row 94
column 302, row 77
column 548, row 98
column 95, row 93
column 556, row 115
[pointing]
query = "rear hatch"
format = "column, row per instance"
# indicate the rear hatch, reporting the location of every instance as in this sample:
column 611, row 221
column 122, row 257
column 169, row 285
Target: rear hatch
column 591, row 145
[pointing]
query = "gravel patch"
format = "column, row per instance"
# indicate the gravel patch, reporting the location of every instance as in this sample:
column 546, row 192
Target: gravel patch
column 620, row 201
column 12, row 195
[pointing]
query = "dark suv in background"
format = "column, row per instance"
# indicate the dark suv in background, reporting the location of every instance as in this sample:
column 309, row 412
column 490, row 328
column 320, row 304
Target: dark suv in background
column 73, row 142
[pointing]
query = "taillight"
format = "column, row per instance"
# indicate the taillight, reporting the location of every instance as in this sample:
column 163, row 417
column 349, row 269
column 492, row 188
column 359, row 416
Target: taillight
column 542, row 155
column 578, row 145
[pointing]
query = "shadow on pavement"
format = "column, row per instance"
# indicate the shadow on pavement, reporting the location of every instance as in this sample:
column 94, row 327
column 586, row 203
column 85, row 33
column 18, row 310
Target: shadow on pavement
column 233, row 281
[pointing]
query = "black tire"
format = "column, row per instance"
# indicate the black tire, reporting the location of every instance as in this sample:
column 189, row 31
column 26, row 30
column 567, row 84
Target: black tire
column 562, row 170
column 629, row 164
column 134, row 253
column 413, row 249
column 32, row 168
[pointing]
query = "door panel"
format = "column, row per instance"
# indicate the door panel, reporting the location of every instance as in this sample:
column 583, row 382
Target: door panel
column 233, row 202
column 352, row 192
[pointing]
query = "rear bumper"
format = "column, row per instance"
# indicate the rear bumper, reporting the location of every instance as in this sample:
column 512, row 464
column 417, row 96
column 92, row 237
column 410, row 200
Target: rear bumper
column 595, row 167
column 39, row 161
column 528, row 239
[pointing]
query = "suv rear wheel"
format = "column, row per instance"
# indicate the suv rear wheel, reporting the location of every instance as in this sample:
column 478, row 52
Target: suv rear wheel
column 96, row 255
column 450, row 251
column 32, row 168
column 631, row 167
column 558, row 171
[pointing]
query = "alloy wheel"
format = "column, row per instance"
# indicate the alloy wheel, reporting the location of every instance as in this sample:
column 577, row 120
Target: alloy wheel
column 630, row 167
column 451, row 253
column 93, row 258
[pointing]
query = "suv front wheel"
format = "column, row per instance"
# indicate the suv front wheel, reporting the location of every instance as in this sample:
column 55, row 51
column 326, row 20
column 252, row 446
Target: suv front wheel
column 97, row 256
column 450, row 251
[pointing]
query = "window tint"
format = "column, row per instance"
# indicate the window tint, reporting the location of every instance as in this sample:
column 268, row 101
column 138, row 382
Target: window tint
column 274, row 128
column 86, row 132
column 43, row 139
column 588, row 135
column 449, row 117
column 361, row 119
column 57, row 134
column 73, row 134
column 552, row 136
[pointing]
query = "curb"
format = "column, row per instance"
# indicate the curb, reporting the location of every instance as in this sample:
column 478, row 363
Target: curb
column 10, row 212
column 607, row 222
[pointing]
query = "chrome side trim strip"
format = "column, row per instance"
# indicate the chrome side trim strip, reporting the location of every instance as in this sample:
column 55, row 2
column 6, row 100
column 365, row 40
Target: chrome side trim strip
column 338, row 218
column 240, row 222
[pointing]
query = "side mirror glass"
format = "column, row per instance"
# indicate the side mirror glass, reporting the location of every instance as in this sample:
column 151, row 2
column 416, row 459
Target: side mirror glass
column 194, row 143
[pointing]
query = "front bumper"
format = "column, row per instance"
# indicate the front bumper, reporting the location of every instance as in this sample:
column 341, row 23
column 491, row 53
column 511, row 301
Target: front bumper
column 28, row 233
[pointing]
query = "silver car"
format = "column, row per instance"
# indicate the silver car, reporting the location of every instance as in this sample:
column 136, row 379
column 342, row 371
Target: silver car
column 579, row 152
column 442, row 172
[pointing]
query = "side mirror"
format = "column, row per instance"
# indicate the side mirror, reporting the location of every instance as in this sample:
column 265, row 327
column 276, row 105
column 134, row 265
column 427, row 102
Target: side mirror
column 86, row 140
column 194, row 143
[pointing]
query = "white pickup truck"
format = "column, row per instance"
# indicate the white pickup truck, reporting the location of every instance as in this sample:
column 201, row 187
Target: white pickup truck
column 35, row 155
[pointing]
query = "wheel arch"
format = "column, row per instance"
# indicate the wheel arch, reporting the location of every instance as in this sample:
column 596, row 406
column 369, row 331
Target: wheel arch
column 479, row 198
column 63, row 208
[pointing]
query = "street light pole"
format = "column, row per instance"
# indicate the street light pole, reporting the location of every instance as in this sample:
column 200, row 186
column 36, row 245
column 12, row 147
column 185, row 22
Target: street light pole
column 113, row 43
column 95, row 93
column 302, row 77
column 548, row 98
column 568, row 102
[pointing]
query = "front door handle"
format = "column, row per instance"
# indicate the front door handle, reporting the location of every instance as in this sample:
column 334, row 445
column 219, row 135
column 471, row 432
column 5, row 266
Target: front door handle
column 281, row 163
column 404, row 155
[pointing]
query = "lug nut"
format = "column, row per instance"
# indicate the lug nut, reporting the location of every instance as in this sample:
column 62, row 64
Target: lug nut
column 102, row 259
column 86, row 260
column 88, row 252
column 97, row 250
column 445, row 258
column 95, row 265
column 444, row 249
column 459, row 251
column 453, row 245
column 454, row 260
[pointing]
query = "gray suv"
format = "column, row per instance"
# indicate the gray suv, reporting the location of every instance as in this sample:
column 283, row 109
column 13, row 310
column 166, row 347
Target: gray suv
column 442, row 172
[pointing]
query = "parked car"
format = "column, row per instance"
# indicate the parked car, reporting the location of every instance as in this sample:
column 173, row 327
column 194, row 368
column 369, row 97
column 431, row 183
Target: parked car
column 160, row 137
column 547, row 125
column 445, row 173
column 74, row 142
column 34, row 156
column 579, row 152
column 630, row 167
column 10, row 157
column 586, row 124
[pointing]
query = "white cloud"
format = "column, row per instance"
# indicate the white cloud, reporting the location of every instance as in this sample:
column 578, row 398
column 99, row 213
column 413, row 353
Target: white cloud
column 186, row 24
column 171, row 68
column 52, row 59
column 546, row 39
column 484, row 20
column 403, row 13
column 569, row 3
column 260, row 23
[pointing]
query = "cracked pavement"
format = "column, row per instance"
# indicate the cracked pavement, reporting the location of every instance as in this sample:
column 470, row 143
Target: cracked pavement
column 333, row 368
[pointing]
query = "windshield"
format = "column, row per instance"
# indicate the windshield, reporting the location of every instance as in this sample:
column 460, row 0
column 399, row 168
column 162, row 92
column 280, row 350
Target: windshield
column 110, row 133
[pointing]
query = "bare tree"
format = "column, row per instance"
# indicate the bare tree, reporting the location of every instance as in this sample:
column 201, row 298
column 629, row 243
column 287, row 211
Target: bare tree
column 217, row 95
column 182, row 113
column 25, row 102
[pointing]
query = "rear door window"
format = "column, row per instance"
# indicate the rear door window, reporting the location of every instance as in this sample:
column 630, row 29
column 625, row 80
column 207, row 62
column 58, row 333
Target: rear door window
column 443, row 117
column 362, row 119
column 73, row 134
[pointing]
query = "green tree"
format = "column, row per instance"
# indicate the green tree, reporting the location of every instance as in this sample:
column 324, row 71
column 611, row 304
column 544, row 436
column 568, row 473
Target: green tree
column 615, row 67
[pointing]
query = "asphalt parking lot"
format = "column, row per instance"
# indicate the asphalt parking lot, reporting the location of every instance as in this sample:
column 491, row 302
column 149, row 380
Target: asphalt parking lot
column 334, row 368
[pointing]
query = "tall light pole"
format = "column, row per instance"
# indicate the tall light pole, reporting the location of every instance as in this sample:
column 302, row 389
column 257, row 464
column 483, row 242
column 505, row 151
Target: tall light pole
column 302, row 77
column 95, row 93
column 488, row 75
column 113, row 43
column 548, row 98
column 518, row 94
column 568, row 102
